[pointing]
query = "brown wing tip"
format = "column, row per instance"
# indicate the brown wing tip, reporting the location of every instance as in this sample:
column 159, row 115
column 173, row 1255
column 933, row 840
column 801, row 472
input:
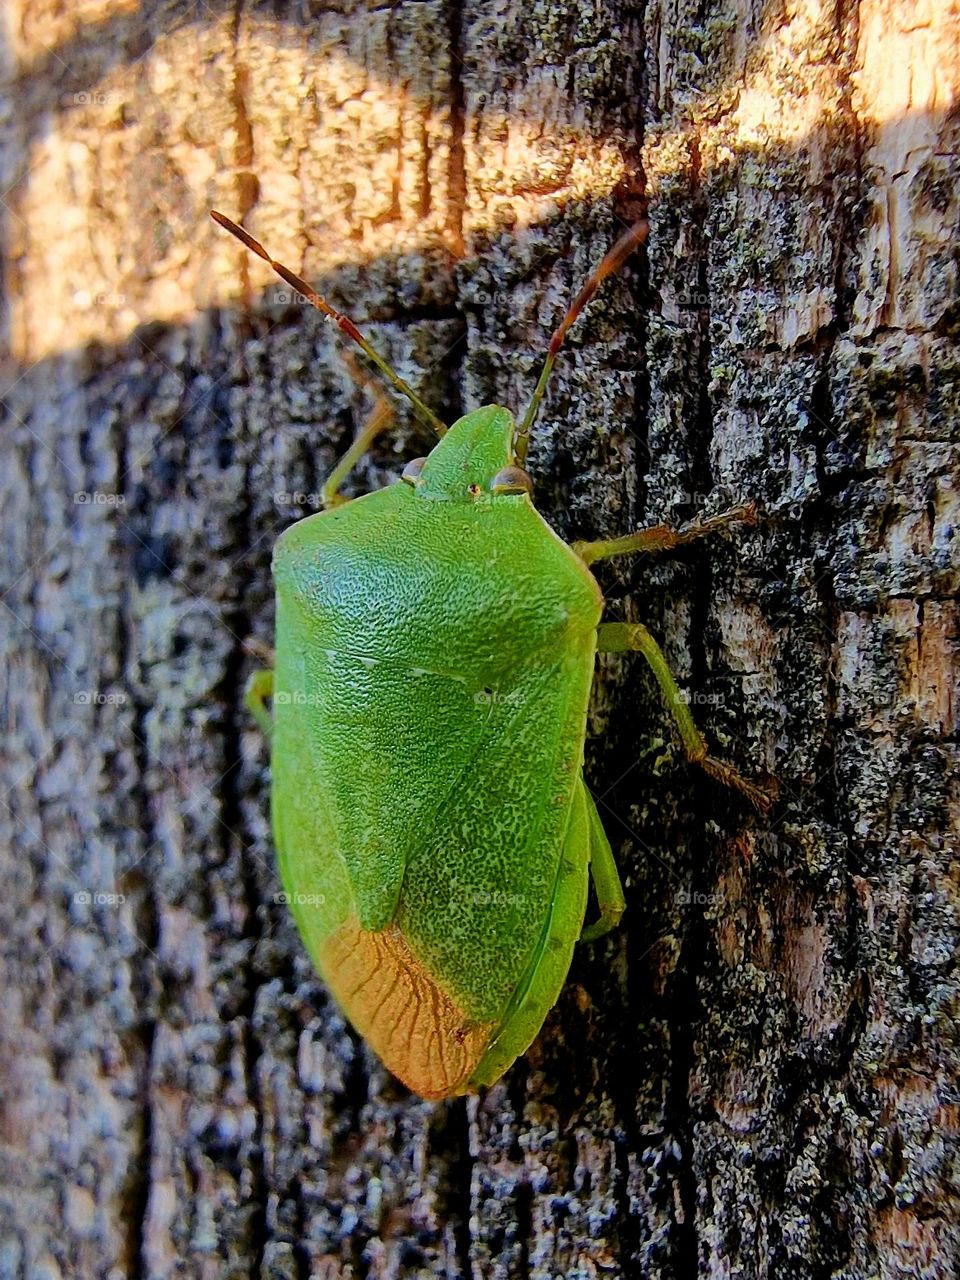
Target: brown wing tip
column 415, row 1028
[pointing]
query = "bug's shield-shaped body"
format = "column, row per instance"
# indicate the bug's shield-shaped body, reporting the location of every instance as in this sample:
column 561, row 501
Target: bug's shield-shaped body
column 435, row 650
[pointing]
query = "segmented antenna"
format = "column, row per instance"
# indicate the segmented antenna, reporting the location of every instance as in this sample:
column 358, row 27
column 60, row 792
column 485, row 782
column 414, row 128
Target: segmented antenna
column 609, row 265
column 425, row 414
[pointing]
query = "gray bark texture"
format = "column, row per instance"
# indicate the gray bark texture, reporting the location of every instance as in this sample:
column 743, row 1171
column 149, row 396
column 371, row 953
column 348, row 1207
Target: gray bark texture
column 757, row 1074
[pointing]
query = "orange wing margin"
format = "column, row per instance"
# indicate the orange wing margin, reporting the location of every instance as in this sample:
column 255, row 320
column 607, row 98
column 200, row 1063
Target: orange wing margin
column 414, row 1027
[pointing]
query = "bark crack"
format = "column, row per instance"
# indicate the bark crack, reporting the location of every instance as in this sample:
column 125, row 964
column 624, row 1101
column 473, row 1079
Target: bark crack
column 694, row 946
column 148, row 918
column 457, row 176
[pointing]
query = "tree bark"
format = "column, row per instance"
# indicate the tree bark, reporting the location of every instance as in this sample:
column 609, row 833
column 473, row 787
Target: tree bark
column 756, row 1075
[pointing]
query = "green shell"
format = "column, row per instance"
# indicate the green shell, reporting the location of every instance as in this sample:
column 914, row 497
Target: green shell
column 435, row 648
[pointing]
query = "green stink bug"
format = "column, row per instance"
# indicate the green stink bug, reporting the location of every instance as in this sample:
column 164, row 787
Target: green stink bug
column 435, row 647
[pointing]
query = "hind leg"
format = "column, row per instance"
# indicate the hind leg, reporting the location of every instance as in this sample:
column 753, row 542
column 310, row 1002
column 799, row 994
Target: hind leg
column 626, row 637
column 603, row 875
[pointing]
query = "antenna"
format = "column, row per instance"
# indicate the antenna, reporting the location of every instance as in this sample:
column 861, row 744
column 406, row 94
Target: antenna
column 426, row 415
column 612, row 261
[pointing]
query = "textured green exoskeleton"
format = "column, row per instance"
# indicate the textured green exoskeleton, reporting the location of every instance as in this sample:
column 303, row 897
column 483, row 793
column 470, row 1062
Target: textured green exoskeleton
column 435, row 646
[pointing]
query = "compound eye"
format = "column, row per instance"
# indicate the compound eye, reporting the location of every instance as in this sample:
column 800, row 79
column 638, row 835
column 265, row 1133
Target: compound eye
column 411, row 472
column 511, row 480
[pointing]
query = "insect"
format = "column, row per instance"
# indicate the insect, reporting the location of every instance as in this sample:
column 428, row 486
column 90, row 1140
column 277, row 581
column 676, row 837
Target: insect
column 435, row 647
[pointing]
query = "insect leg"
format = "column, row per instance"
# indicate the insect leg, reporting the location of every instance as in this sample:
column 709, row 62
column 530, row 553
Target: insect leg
column 259, row 688
column 258, row 648
column 380, row 418
column 624, row 637
column 605, row 877
column 663, row 537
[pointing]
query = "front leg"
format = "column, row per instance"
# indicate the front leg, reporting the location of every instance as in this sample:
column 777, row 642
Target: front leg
column 379, row 419
column 663, row 537
column 627, row 637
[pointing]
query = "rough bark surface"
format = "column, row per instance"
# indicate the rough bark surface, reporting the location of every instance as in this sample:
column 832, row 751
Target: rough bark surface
column 755, row 1076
